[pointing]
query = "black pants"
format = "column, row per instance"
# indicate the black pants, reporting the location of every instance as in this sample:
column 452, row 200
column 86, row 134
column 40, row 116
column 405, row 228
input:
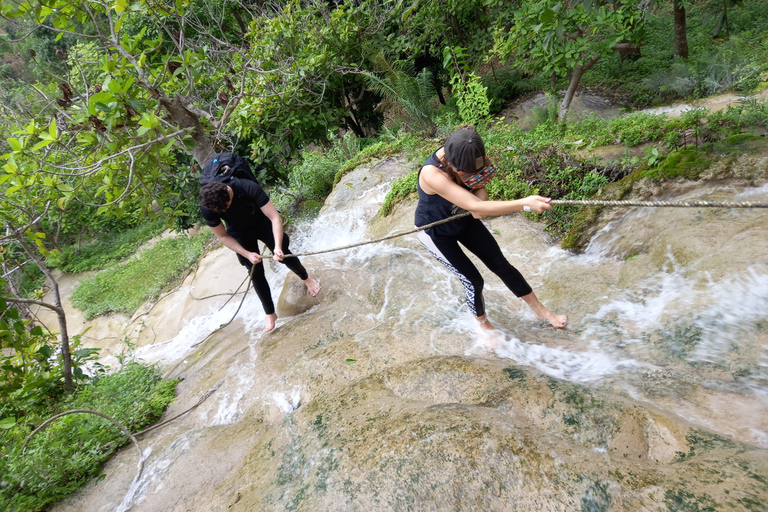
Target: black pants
column 481, row 243
column 250, row 241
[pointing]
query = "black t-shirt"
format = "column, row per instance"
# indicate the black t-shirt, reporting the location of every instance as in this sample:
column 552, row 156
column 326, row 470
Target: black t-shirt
column 244, row 214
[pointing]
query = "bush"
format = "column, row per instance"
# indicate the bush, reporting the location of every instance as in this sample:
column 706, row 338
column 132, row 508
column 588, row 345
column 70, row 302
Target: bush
column 503, row 86
column 124, row 287
column 98, row 254
column 72, row 449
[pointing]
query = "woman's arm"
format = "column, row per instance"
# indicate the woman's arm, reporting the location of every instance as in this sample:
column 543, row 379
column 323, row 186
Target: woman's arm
column 482, row 194
column 441, row 184
column 277, row 229
column 232, row 244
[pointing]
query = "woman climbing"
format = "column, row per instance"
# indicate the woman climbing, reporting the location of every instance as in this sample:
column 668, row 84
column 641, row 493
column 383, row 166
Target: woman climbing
column 451, row 180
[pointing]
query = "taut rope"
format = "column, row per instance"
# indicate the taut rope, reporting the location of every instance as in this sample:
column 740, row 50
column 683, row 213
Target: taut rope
column 678, row 204
column 555, row 202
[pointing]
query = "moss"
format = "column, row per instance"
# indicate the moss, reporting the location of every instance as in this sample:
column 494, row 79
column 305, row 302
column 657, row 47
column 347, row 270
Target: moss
column 679, row 500
column 700, row 442
column 596, row 498
column 688, row 163
column 665, row 382
column 515, row 374
column 680, row 341
column 375, row 152
column 401, row 189
column 740, row 142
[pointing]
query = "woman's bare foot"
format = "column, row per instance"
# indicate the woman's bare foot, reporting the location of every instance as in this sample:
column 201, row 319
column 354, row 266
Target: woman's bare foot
column 313, row 285
column 557, row 321
column 484, row 323
column 542, row 313
column 271, row 319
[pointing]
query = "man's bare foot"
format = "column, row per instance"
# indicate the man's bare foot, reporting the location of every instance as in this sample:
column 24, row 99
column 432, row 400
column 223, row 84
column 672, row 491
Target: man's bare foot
column 271, row 319
column 542, row 313
column 484, row 323
column 313, row 285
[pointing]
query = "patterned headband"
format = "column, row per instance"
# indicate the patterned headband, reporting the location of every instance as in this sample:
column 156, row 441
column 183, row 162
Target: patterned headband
column 478, row 179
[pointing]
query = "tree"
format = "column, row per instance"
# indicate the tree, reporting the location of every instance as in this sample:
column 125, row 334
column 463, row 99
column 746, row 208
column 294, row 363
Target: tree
column 566, row 38
column 148, row 83
column 681, row 34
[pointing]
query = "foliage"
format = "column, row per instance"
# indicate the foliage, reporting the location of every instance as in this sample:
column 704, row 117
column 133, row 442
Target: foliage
column 28, row 370
column 126, row 286
column 471, row 94
column 557, row 38
column 412, row 94
column 543, row 114
column 505, row 85
column 401, row 188
column 33, row 374
column 309, row 55
column 99, row 253
column 311, row 180
column 652, row 77
column 426, row 27
column 72, row 449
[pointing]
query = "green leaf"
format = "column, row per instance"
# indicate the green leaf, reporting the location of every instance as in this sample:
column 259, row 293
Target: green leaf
column 7, row 423
column 351, row 361
column 15, row 144
column 113, row 86
column 41, row 144
column 45, row 351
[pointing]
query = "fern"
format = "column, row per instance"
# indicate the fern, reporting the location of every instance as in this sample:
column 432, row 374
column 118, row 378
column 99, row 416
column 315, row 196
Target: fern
column 410, row 93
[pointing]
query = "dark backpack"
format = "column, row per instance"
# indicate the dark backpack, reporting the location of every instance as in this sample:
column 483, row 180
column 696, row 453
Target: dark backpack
column 224, row 167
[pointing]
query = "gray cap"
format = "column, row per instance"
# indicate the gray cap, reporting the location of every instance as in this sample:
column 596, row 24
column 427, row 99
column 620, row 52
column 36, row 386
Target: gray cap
column 465, row 150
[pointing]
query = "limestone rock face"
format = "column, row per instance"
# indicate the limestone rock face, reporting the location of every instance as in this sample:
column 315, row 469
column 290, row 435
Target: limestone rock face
column 382, row 395
column 295, row 299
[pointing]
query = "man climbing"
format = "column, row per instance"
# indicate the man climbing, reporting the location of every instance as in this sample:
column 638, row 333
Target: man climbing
column 251, row 216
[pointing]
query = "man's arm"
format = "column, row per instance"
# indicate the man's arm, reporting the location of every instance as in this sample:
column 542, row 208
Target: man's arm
column 277, row 229
column 231, row 243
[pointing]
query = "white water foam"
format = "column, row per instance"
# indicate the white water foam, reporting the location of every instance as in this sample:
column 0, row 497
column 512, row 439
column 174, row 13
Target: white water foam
column 739, row 304
column 581, row 367
column 287, row 402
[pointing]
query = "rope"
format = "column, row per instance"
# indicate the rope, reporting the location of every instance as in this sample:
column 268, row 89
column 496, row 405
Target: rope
column 554, row 202
column 678, row 204
column 389, row 237
column 250, row 276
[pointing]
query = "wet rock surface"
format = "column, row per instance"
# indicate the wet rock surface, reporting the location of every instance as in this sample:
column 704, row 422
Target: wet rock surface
column 381, row 395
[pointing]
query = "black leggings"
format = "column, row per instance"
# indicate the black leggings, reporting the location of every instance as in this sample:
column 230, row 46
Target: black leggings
column 250, row 242
column 481, row 243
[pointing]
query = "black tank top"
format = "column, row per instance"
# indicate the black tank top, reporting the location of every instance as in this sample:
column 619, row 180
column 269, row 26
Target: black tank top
column 432, row 208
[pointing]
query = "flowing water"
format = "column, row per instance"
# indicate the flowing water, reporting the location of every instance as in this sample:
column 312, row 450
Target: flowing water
column 383, row 395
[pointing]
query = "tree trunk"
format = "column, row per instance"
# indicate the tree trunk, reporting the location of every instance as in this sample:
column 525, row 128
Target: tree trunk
column 66, row 356
column 202, row 149
column 681, row 36
column 578, row 72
